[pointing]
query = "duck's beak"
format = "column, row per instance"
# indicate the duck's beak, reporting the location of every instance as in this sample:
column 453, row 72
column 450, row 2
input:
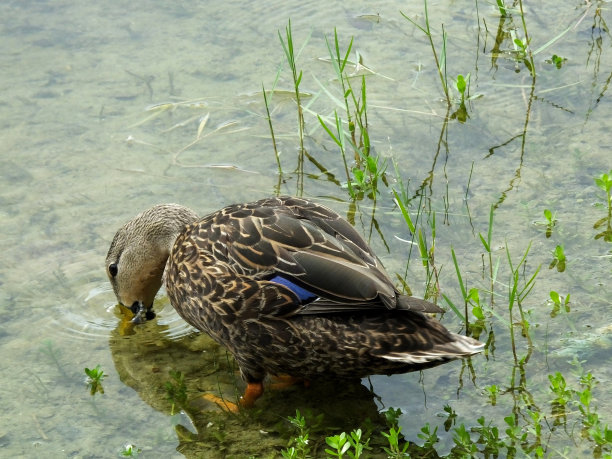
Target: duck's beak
column 141, row 313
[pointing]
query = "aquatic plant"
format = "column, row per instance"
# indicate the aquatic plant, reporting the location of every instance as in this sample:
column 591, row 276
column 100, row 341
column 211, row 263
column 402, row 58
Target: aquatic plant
column 369, row 169
column 558, row 301
column 604, row 182
column 549, row 223
column 291, row 55
column 557, row 61
column 558, row 260
column 176, row 390
column 130, row 450
column 298, row 447
column 343, row 443
column 94, row 379
column 439, row 61
column 269, row 119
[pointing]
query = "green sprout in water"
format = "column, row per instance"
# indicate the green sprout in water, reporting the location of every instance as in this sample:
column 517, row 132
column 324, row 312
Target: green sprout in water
column 557, row 61
column 559, row 388
column 604, row 182
column 300, row 448
column 462, row 84
column 522, row 52
column 461, row 113
column 493, row 391
column 130, row 451
column 342, row 444
column 558, row 302
column 430, row 438
column 176, row 392
column 551, row 221
column 94, row 379
column 558, row 259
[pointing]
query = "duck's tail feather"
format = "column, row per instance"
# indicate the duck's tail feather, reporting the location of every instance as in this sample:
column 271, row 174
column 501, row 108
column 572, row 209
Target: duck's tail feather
column 461, row 346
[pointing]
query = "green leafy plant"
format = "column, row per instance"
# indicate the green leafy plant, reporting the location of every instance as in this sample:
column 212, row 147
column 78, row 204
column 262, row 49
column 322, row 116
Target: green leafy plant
column 94, row 379
column 557, row 61
column 130, row 451
column 550, row 222
column 395, row 449
column 300, row 448
column 493, row 391
column 430, row 437
column 558, row 259
column 515, row 432
column 176, row 390
column 559, row 388
column 558, row 302
column 462, row 84
column 368, row 169
column 343, row 443
column 464, row 446
column 604, row 182
column 489, row 437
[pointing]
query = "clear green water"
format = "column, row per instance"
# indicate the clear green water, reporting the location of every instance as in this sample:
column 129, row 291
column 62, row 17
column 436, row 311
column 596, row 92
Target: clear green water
column 83, row 150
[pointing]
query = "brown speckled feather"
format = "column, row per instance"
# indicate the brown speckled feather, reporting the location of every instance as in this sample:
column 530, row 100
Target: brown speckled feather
column 219, row 280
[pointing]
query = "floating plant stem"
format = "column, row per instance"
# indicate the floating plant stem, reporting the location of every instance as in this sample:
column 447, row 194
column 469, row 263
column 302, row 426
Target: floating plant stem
column 280, row 169
column 338, row 138
column 440, row 63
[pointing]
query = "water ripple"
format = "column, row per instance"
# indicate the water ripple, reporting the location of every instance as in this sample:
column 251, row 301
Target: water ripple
column 95, row 314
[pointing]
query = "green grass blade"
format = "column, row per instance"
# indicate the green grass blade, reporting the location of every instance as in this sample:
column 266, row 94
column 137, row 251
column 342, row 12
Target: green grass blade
column 329, row 132
column 463, row 290
column 405, row 213
column 454, row 308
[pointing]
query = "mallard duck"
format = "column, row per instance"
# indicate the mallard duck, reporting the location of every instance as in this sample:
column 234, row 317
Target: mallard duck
column 286, row 285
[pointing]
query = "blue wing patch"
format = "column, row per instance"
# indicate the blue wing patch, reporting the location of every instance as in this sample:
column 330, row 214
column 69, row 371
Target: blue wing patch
column 304, row 295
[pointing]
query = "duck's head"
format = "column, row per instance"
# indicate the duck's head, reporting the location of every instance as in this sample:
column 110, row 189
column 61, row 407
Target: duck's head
column 137, row 256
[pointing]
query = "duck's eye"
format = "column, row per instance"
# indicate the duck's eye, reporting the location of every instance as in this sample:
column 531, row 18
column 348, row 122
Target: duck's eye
column 112, row 269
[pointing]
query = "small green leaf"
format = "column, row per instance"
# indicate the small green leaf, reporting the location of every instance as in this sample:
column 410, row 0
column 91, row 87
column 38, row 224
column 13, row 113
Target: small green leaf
column 555, row 297
column 372, row 164
column 461, row 84
column 477, row 311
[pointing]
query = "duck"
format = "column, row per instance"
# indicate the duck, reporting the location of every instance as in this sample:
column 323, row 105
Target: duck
column 288, row 286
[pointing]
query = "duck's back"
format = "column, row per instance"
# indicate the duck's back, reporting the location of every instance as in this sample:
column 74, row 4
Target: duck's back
column 290, row 287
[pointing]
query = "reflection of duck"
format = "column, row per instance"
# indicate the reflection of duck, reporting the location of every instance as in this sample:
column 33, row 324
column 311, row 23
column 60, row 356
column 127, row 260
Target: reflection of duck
column 146, row 359
column 287, row 285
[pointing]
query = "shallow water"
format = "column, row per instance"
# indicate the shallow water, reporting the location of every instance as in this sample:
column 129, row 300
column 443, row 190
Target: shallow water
column 100, row 114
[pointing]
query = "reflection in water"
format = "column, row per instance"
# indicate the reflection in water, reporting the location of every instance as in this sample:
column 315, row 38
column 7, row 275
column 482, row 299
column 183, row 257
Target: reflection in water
column 146, row 360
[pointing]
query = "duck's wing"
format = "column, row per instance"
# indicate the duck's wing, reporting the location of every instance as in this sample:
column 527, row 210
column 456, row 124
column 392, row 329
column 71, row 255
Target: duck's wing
column 314, row 248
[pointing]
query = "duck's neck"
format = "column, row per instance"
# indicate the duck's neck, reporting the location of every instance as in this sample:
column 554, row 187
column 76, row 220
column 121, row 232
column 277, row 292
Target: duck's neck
column 174, row 224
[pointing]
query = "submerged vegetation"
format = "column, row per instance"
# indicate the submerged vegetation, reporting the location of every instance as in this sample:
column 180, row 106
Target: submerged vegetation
column 94, row 379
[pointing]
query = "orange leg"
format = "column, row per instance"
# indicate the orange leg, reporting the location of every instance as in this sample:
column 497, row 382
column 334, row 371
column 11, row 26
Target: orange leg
column 222, row 403
column 252, row 392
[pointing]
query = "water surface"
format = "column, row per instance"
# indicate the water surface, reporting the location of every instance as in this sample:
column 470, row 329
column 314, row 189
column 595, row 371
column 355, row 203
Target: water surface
column 100, row 114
